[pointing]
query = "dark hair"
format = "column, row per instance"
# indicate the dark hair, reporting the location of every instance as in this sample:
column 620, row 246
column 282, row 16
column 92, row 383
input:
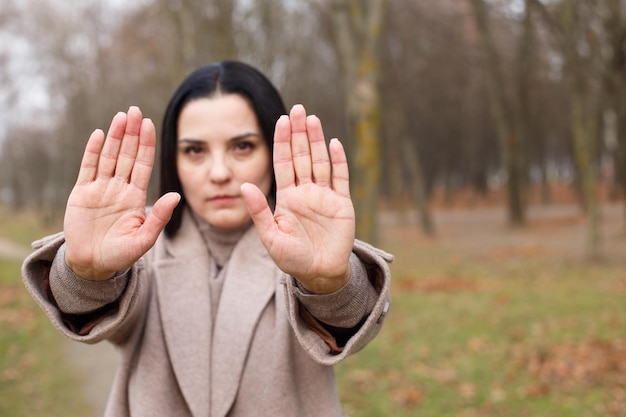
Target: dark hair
column 227, row 77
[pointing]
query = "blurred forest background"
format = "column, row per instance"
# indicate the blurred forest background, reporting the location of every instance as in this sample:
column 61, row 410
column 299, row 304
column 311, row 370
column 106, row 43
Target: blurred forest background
column 487, row 144
column 431, row 97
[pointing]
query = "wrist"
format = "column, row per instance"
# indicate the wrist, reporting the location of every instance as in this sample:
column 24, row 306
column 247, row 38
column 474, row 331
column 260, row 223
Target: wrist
column 326, row 285
column 89, row 274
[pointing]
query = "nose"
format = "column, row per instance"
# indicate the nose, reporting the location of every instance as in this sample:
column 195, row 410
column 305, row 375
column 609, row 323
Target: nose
column 219, row 170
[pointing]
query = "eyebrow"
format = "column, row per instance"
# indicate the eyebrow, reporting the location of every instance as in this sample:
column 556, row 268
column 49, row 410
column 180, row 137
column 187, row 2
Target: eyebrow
column 233, row 139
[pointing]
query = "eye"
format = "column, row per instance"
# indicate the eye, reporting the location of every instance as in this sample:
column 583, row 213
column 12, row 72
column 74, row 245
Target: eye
column 244, row 146
column 192, row 150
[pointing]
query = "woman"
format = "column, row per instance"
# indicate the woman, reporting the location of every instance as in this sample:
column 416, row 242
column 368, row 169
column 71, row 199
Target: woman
column 256, row 286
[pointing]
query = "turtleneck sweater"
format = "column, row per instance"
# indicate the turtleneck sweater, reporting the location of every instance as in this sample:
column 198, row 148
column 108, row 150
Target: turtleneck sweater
column 220, row 244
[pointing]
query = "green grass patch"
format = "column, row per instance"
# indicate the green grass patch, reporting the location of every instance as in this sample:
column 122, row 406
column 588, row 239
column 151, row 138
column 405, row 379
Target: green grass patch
column 514, row 332
column 35, row 379
column 35, row 376
column 25, row 226
column 497, row 336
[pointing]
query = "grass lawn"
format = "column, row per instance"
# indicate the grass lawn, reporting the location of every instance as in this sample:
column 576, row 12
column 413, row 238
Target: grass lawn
column 484, row 322
column 35, row 379
column 519, row 332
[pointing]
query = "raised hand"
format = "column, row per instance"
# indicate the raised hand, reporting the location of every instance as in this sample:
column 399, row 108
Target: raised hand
column 106, row 226
column 311, row 233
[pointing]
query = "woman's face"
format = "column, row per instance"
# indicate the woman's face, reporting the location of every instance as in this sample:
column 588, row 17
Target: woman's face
column 221, row 146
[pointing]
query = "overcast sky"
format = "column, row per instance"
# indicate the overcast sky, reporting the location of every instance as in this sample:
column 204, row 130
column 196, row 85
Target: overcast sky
column 26, row 101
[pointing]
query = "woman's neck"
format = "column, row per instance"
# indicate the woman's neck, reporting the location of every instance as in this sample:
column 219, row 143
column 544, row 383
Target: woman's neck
column 220, row 243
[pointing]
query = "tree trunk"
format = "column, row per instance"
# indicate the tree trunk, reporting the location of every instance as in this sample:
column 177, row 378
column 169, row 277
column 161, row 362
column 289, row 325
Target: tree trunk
column 358, row 25
column 404, row 157
column 615, row 86
column 418, row 191
column 504, row 114
column 583, row 113
column 584, row 110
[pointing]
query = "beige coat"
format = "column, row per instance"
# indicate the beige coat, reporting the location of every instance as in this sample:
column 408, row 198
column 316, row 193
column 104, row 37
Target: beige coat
column 258, row 358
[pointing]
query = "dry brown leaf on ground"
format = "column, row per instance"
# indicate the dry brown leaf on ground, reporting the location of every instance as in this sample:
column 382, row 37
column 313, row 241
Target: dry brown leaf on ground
column 441, row 284
column 576, row 365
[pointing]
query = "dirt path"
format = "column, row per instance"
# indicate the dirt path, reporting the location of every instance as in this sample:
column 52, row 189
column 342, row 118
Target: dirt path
column 97, row 365
column 11, row 250
column 555, row 230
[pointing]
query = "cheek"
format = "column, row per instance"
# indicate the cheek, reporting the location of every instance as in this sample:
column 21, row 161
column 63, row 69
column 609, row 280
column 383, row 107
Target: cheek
column 188, row 179
column 263, row 175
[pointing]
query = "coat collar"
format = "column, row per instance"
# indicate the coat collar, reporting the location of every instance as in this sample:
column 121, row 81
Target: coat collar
column 250, row 284
column 208, row 358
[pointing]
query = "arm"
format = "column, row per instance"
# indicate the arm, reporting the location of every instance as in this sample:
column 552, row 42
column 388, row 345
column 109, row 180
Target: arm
column 344, row 308
column 311, row 235
column 325, row 348
column 337, row 317
column 82, row 310
column 106, row 231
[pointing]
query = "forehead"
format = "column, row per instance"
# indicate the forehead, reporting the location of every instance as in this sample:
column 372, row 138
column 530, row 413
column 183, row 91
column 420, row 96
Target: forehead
column 217, row 117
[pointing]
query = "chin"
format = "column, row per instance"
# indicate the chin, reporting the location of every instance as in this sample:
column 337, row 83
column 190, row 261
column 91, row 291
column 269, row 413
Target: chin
column 229, row 224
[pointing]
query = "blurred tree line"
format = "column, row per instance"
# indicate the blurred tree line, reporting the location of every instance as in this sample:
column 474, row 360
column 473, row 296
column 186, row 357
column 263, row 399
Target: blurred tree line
column 426, row 95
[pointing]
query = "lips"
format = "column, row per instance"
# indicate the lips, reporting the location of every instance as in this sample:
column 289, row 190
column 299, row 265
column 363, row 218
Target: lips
column 222, row 199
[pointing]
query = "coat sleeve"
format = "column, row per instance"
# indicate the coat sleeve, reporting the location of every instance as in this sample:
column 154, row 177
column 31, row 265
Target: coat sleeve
column 316, row 339
column 83, row 310
column 346, row 307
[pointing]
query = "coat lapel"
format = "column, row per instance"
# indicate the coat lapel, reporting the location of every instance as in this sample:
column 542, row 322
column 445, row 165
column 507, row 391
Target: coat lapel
column 208, row 358
column 249, row 285
column 182, row 272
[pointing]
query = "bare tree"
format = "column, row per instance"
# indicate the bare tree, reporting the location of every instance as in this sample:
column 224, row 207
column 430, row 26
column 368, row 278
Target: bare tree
column 403, row 83
column 573, row 25
column 8, row 14
column 201, row 32
column 510, row 110
column 614, row 18
column 414, row 115
column 358, row 27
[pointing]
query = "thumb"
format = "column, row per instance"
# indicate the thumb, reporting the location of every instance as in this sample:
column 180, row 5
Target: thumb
column 160, row 214
column 259, row 210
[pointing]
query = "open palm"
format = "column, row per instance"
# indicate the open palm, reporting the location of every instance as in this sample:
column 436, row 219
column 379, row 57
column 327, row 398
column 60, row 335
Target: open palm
column 311, row 232
column 106, row 226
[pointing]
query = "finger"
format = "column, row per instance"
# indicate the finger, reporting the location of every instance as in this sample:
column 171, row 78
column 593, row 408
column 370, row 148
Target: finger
column 112, row 143
column 158, row 217
column 283, row 162
column 259, row 210
column 319, row 153
column 130, row 142
column 340, row 175
column 300, row 147
column 89, row 163
column 144, row 161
